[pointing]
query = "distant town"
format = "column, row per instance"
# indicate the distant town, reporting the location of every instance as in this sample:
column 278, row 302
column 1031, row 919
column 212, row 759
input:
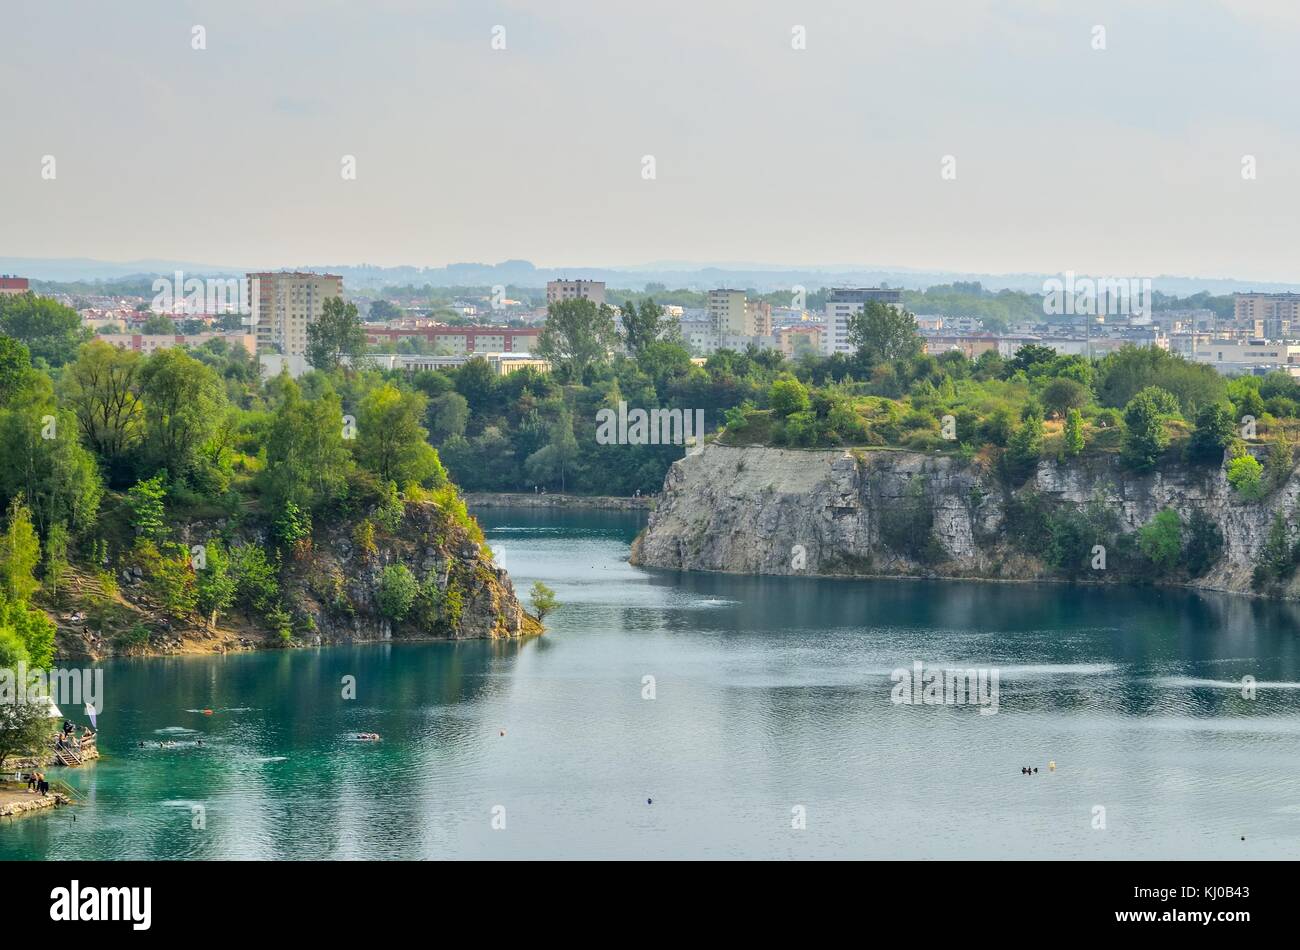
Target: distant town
column 267, row 313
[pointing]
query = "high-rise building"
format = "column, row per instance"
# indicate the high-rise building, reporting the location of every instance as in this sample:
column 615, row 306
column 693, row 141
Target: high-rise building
column 13, row 285
column 759, row 317
column 285, row 304
column 1280, row 313
column 729, row 313
column 842, row 303
column 558, row 291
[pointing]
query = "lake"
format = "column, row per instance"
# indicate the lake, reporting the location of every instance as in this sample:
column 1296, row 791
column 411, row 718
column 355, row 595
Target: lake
column 771, row 732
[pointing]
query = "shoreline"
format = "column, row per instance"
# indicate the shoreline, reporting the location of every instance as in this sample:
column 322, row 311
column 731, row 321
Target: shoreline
column 527, row 500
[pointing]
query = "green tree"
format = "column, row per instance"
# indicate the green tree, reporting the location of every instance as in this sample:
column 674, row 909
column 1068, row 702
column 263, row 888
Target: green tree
column 159, row 323
column 1246, row 476
column 577, row 334
column 56, row 557
column 183, row 400
column 882, row 332
column 307, row 460
column 542, row 599
column 215, row 583
column 148, row 513
column 390, row 440
column 1161, row 539
column 49, row 330
column 257, row 585
column 1144, row 419
column 24, row 727
column 1024, row 450
column 552, row 463
column 1062, row 395
column 397, row 590
column 447, row 416
column 788, row 396
column 20, row 552
column 15, row 364
column 1074, row 432
column 339, row 333
column 102, row 389
column 1215, row 431
column 644, row 325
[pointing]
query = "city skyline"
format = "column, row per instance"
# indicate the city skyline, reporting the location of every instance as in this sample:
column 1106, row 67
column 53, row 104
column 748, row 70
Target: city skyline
column 762, row 151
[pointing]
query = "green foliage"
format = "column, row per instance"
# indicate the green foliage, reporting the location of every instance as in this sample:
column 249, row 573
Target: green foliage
column 1074, row 442
column 215, row 583
column 577, row 335
column 56, row 558
column 1126, row 372
column 788, row 396
column 1277, row 559
column 24, row 727
column 1145, row 438
column 1024, row 450
column 292, row 527
column 148, row 514
column 542, row 599
column 49, row 330
column 1215, row 432
column 882, row 332
column 1246, row 476
column 1204, row 544
column 390, row 441
column 338, row 334
column 183, row 399
column 1161, row 540
column 1062, row 396
column 397, row 591
column 20, row 552
column 257, row 585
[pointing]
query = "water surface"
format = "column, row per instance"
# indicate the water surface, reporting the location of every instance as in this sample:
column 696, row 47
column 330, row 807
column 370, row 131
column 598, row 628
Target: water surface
column 771, row 695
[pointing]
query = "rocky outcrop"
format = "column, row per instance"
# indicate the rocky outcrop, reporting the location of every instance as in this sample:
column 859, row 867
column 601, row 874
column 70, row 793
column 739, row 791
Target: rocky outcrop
column 330, row 588
column 834, row 512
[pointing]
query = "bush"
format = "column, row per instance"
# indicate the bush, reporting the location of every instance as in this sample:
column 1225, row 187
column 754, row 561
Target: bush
column 1246, row 476
column 1161, row 540
column 397, row 591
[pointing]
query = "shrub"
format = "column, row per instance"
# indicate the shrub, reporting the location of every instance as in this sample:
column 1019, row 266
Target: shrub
column 397, row 591
column 1245, row 475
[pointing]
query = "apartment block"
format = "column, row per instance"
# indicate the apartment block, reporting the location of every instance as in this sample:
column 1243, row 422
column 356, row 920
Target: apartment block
column 455, row 340
column 729, row 313
column 842, row 304
column 558, row 291
column 1280, row 313
column 284, row 304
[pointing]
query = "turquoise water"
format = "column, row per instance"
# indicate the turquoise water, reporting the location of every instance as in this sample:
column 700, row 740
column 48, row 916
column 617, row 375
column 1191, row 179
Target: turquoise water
column 771, row 694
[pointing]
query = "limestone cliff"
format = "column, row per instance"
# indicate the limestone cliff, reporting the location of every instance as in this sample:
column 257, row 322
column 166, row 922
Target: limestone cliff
column 329, row 586
column 835, row 512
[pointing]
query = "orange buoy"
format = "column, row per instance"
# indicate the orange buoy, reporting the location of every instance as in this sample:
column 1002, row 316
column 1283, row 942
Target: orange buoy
column 207, row 712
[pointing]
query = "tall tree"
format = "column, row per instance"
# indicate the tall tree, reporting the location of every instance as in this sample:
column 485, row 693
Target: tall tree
column 645, row 324
column 337, row 334
column 50, row 330
column 883, row 332
column 390, row 440
column 102, row 389
column 182, row 403
column 578, row 334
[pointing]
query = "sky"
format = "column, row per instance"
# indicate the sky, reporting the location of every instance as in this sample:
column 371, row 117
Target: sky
column 1125, row 160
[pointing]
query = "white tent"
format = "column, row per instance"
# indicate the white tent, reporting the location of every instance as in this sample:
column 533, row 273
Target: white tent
column 55, row 712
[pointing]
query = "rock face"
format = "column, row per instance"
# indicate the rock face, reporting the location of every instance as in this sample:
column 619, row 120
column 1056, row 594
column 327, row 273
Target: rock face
column 330, row 590
column 338, row 584
column 787, row 511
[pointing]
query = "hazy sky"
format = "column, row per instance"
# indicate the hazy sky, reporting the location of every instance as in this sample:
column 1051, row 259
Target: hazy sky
column 1126, row 161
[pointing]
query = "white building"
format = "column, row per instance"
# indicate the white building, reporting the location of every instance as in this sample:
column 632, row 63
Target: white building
column 842, row 304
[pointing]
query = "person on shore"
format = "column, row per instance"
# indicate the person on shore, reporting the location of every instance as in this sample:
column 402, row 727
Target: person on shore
column 31, row 781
